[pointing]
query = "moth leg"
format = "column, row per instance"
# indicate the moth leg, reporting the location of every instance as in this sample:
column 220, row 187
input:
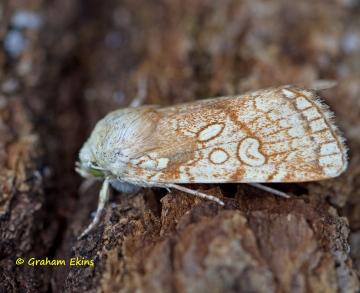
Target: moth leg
column 86, row 184
column 269, row 189
column 103, row 198
column 141, row 93
column 194, row 192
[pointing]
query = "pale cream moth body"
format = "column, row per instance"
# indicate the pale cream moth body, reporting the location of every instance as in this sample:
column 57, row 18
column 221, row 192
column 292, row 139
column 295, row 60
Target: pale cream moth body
column 280, row 134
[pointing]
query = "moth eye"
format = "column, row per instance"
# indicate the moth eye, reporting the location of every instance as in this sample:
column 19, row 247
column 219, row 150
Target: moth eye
column 96, row 172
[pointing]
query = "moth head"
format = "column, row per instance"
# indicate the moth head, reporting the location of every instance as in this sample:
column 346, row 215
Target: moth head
column 88, row 166
column 118, row 138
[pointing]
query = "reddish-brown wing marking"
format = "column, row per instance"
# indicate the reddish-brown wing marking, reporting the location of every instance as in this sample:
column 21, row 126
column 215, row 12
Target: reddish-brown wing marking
column 282, row 134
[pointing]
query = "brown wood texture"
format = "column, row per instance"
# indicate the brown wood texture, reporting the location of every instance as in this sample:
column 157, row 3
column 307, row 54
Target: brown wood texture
column 85, row 61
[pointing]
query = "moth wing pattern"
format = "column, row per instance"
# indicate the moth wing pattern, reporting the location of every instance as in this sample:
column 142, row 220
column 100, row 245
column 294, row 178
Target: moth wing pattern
column 281, row 134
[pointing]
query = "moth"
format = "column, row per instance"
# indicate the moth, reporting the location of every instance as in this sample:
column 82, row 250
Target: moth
column 279, row 134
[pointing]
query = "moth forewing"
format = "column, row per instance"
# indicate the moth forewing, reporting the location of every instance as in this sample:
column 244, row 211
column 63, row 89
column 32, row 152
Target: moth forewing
column 281, row 134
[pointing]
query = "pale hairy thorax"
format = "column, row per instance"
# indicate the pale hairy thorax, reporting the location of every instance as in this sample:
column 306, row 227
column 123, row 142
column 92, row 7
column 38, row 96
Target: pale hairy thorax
column 280, row 134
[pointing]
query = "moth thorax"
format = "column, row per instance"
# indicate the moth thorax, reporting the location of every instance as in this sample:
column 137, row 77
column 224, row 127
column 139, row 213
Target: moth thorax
column 123, row 135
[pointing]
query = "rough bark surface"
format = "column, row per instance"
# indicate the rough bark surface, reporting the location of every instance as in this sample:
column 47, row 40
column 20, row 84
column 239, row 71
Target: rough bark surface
column 86, row 60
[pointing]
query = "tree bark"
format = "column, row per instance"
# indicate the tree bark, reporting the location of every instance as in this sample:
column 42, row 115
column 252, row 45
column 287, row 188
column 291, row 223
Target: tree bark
column 86, row 60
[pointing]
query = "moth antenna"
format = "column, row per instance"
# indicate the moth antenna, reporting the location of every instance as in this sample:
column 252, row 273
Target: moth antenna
column 96, row 167
column 323, row 84
column 141, row 93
